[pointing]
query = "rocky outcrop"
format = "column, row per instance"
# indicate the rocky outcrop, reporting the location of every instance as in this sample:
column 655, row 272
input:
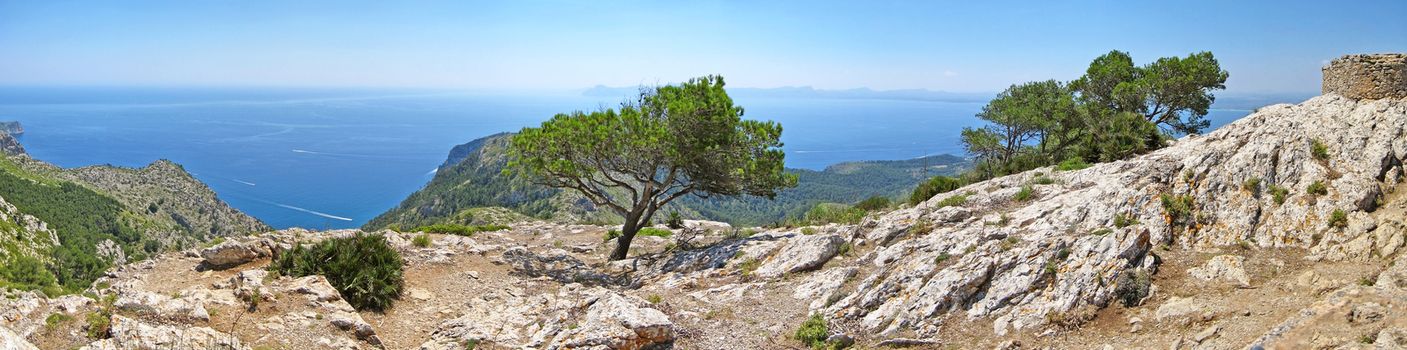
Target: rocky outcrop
column 129, row 333
column 9, row 145
column 574, row 318
column 11, row 341
column 800, row 254
column 1022, row 263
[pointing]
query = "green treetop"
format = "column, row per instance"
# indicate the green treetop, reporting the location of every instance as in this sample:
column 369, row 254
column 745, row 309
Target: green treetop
column 671, row 142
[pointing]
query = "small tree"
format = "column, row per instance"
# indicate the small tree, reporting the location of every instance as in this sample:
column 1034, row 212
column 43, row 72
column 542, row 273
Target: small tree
column 671, row 142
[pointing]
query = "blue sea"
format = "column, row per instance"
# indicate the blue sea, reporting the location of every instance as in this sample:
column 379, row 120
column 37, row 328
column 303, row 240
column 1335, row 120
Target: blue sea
column 335, row 158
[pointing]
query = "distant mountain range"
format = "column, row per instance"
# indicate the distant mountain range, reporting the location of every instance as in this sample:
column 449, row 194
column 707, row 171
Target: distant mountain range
column 472, row 178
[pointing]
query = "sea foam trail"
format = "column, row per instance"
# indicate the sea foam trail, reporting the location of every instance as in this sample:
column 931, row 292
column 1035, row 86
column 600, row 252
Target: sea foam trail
column 314, row 212
column 243, row 182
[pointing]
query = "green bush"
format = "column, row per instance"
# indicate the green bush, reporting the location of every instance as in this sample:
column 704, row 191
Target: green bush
column 826, row 213
column 873, row 203
column 1338, row 219
column 1025, row 194
column 1123, row 220
column 1317, row 188
column 363, row 268
column 934, row 186
column 55, row 320
column 422, row 240
column 99, row 324
column 952, row 201
column 808, row 230
column 1319, row 150
column 612, row 234
column 1178, row 208
column 651, row 231
column 461, row 230
column 1251, row 185
column 674, row 221
column 1278, row 193
column 1133, row 286
column 1072, row 164
column 813, row 332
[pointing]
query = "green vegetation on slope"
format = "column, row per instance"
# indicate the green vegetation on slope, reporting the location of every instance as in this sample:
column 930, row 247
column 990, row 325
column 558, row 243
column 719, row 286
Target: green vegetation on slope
column 83, row 218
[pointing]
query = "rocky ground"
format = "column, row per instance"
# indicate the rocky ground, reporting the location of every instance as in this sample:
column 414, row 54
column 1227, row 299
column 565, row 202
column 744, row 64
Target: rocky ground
column 1281, row 230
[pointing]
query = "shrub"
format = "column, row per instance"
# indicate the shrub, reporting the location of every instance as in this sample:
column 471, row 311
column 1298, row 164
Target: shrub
column 55, row 320
column 423, row 240
column 651, row 231
column 612, row 234
column 1278, row 193
column 1062, row 254
column 1075, row 163
column 844, row 249
column 934, row 186
column 1042, row 180
column 1251, row 185
column 1178, row 208
column 1319, row 150
column 363, row 268
column 1366, row 281
column 1132, row 287
column 825, row 213
column 813, row 332
column 921, row 227
column 462, row 230
column 1317, row 188
column 1025, row 194
column 808, row 230
column 873, row 203
column 1338, row 219
column 99, row 324
column 1101, row 232
column 747, row 267
column 654, row 298
column 1123, row 220
column 674, row 221
column 953, row 201
column 941, row 258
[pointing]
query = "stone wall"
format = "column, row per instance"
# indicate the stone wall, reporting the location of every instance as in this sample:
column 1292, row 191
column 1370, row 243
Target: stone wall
column 1367, row 77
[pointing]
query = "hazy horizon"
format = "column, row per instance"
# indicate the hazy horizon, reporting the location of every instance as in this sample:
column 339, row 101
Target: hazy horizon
column 1269, row 47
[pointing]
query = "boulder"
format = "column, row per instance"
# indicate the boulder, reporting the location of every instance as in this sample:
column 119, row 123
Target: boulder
column 233, row 253
column 614, row 321
column 801, row 253
column 161, row 306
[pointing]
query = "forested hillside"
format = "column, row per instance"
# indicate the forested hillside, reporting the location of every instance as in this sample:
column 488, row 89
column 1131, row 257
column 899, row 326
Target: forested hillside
column 100, row 216
column 473, row 177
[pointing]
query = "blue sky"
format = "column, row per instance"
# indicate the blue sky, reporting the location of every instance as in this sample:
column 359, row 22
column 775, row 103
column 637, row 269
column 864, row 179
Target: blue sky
column 1269, row 46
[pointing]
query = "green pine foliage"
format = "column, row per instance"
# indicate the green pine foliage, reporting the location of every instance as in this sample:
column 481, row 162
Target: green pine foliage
column 873, row 203
column 84, row 217
column 826, row 213
column 935, row 186
column 1115, row 111
column 366, row 270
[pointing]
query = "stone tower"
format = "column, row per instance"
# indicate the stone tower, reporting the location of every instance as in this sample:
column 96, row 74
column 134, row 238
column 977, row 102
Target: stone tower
column 1367, row 77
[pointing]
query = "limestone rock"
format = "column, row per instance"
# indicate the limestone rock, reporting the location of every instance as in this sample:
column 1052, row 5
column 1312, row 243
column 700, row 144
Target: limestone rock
column 801, row 253
column 11, row 341
column 1228, row 268
column 233, row 253
column 132, row 334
